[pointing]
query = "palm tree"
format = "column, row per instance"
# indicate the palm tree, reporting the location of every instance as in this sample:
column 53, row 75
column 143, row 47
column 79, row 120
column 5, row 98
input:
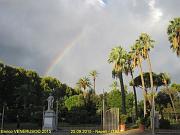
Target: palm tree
column 114, row 85
column 84, row 82
column 147, row 43
column 166, row 80
column 117, row 56
column 93, row 74
column 173, row 32
column 136, row 51
column 129, row 69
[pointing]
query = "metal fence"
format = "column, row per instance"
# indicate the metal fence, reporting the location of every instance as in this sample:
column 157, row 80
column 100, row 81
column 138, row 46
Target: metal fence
column 111, row 119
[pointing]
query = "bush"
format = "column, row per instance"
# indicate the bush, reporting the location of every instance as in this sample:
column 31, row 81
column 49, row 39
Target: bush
column 164, row 124
column 123, row 118
column 129, row 120
column 141, row 120
column 147, row 121
column 144, row 121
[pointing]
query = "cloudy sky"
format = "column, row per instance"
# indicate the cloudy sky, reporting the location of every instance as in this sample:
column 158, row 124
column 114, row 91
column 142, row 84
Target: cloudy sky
column 69, row 38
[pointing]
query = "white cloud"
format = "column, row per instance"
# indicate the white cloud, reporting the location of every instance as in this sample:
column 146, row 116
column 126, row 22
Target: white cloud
column 96, row 3
column 156, row 13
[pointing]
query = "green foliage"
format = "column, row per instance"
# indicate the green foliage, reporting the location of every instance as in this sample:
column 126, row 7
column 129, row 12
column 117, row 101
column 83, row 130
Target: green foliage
column 49, row 83
column 130, row 103
column 144, row 121
column 83, row 110
column 157, row 80
column 84, row 82
column 24, row 92
column 140, row 120
column 114, row 99
column 114, row 85
column 74, row 101
column 123, row 118
column 118, row 56
column 162, row 99
column 176, row 87
column 173, row 32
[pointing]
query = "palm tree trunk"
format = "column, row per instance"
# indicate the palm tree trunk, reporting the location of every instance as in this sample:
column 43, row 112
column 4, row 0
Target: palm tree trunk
column 135, row 96
column 143, row 87
column 94, row 85
column 122, row 93
column 84, row 93
column 150, row 74
column 152, row 91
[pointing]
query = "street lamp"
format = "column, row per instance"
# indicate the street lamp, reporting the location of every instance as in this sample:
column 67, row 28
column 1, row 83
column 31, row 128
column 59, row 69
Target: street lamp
column 153, row 113
column 103, row 112
column 57, row 114
column 2, row 118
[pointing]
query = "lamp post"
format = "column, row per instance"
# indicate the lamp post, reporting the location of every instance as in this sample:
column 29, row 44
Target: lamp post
column 153, row 113
column 43, row 115
column 2, row 121
column 103, row 112
column 56, row 114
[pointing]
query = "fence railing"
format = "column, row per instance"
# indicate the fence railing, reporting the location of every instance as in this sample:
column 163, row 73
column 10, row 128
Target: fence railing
column 111, row 119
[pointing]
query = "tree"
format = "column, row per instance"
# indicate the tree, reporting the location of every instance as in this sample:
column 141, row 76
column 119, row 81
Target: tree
column 129, row 103
column 94, row 74
column 118, row 56
column 50, row 83
column 176, row 87
column 162, row 101
column 166, row 80
column 129, row 69
column 173, row 32
column 74, row 101
column 136, row 51
column 157, row 82
column 113, row 99
column 84, row 82
column 147, row 43
column 114, row 85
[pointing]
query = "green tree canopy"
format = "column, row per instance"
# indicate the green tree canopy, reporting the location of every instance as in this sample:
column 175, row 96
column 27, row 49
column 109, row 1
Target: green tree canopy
column 173, row 32
column 74, row 101
column 157, row 80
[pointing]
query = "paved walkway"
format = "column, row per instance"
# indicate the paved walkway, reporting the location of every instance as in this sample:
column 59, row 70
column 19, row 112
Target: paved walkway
column 129, row 132
column 95, row 131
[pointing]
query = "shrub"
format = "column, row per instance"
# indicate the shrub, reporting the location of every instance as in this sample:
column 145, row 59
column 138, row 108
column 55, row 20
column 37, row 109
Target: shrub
column 141, row 120
column 164, row 124
column 144, row 121
column 123, row 118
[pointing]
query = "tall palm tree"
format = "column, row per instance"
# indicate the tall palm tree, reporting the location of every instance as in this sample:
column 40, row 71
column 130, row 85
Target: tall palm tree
column 94, row 74
column 136, row 51
column 147, row 43
column 173, row 32
column 117, row 56
column 129, row 69
column 166, row 80
column 83, row 83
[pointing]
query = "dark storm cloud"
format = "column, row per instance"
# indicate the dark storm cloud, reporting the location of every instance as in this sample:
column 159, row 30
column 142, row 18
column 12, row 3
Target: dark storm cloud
column 32, row 33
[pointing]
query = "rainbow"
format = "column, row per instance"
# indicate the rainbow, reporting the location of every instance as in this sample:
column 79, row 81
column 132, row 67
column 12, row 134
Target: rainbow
column 62, row 53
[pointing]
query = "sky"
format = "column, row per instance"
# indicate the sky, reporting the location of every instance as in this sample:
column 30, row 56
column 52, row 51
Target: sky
column 67, row 39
